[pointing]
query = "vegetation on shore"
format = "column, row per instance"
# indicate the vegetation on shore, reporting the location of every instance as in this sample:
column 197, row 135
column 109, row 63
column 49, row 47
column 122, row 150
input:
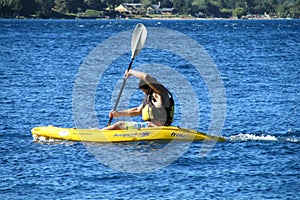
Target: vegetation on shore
column 191, row 8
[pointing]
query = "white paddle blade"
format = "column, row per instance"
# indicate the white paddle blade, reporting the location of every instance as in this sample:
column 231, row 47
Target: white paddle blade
column 138, row 39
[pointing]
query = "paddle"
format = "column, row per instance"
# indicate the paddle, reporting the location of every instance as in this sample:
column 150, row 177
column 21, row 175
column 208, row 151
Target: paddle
column 138, row 39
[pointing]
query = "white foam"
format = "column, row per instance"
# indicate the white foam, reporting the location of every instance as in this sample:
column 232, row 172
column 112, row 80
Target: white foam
column 293, row 139
column 251, row 137
column 42, row 139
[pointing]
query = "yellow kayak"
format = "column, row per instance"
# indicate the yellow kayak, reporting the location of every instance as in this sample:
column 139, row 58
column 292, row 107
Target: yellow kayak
column 143, row 134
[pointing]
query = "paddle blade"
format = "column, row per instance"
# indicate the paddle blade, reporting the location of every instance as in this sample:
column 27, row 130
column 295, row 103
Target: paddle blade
column 138, row 39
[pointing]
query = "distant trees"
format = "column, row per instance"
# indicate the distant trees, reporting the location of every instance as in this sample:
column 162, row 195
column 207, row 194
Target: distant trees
column 166, row 4
column 10, row 6
column 44, row 8
column 204, row 8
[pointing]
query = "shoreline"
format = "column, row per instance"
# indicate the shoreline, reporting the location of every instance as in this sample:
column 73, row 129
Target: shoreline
column 148, row 17
column 155, row 18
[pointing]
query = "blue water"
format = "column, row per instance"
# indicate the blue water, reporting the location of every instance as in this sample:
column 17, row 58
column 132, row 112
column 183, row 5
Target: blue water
column 258, row 62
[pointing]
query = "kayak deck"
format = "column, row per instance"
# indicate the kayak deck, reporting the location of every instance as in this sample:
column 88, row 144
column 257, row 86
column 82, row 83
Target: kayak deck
column 131, row 135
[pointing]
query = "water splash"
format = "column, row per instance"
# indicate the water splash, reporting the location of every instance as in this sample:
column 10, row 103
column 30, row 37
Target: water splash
column 244, row 137
column 251, row 137
column 45, row 140
column 293, row 139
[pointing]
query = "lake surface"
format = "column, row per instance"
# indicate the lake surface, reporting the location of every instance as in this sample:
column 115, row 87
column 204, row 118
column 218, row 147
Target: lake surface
column 257, row 63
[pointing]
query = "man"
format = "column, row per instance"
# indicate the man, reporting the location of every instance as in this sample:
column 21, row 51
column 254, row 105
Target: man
column 157, row 108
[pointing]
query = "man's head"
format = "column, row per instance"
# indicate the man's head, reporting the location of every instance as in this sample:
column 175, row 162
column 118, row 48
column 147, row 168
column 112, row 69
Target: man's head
column 145, row 87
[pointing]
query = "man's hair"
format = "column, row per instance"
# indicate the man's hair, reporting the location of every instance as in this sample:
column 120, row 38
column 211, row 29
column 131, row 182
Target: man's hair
column 143, row 85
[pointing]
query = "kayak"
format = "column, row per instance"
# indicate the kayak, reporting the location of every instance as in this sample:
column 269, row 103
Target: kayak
column 131, row 135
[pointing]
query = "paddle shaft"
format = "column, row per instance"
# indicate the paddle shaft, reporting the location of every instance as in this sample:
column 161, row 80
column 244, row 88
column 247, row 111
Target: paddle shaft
column 120, row 93
column 137, row 42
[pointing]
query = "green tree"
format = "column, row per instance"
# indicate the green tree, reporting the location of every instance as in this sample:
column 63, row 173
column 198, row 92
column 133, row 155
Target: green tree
column 202, row 5
column 281, row 11
column 183, row 6
column 29, row 7
column 45, row 8
column 227, row 4
column 70, row 6
column 178, row 5
column 264, row 6
column 10, row 7
column 95, row 4
column 238, row 12
column 62, row 6
column 249, row 6
column 210, row 8
column 166, row 4
column 295, row 9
